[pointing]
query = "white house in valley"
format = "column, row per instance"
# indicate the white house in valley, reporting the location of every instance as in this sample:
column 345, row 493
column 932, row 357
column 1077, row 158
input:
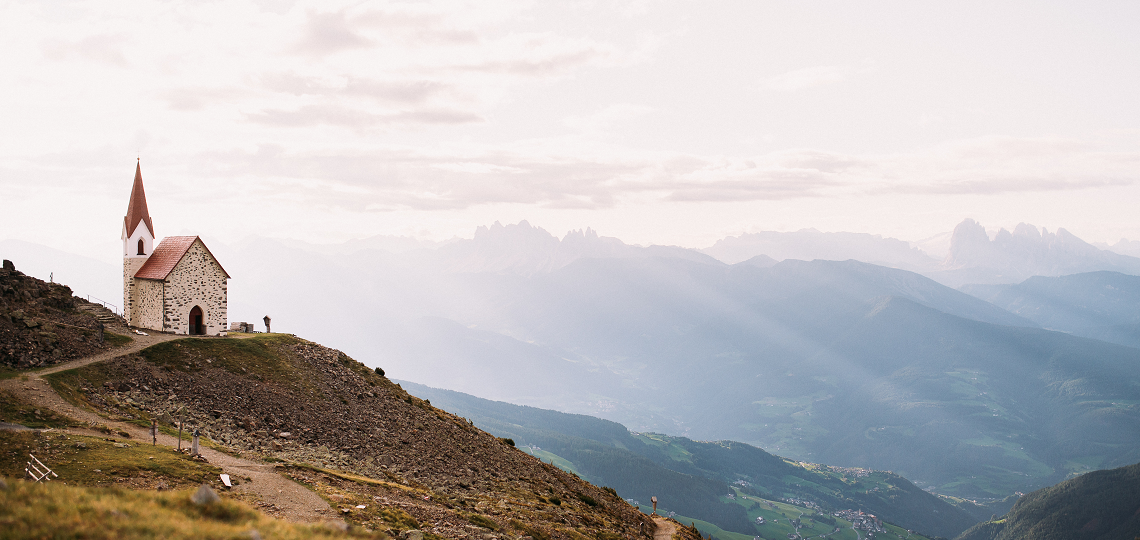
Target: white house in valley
column 176, row 287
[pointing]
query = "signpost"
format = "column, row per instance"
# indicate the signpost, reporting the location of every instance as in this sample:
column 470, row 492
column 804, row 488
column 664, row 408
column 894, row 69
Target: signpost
column 180, row 422
column 654, row 499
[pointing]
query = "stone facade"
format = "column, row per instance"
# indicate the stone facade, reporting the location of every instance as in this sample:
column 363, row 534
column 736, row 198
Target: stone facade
column 149, row 299
column 197, row 280
column 130, row 266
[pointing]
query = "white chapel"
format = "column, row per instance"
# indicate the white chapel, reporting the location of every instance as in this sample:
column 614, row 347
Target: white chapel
column 178, row 286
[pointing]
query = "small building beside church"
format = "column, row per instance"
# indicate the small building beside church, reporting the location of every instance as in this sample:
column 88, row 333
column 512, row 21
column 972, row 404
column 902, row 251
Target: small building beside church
column 177, row 286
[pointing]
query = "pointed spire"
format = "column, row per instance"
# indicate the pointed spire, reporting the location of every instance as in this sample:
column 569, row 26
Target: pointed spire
column 136, row 210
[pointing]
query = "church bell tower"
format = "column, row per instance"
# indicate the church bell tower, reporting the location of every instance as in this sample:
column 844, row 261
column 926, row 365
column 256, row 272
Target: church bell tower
column 138, row 241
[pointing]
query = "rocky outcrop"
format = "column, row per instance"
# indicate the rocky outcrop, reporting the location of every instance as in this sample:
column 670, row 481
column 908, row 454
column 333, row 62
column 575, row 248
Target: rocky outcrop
column 39, row 322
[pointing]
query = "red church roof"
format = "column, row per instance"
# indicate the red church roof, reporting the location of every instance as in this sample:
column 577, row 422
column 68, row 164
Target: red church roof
column 136, row 210
column 166, row 257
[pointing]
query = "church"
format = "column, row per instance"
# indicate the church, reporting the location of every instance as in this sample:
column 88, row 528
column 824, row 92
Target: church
column 177, row 286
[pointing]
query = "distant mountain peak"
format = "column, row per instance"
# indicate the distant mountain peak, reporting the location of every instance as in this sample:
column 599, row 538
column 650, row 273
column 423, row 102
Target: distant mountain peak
column 1029, row 251
column 524, row 249
column 521, row 230
column 810, row 244
column 579, row 234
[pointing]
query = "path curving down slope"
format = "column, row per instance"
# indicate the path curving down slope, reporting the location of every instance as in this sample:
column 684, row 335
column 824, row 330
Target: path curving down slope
column 280, row 496
column 665, row 529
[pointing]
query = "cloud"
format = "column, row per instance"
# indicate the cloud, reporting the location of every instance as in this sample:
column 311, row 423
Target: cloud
column 403, row 178
column 807, row 78
column 811, row 77
column 536, row 64
column 1004, row 184
column 102, row 49
column 396, row 91
column 337, row 115
column 421, row 28
column 327, row 33
column 531, row 54
column 1001, row 164
column 606, row 119
column 476, row 168
column 557, row 176
column 197, row 98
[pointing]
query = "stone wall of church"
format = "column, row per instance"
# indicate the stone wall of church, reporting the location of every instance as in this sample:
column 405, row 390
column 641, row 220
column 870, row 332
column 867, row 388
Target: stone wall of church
column 147, row 309
column 130, row 295
column 197, row 280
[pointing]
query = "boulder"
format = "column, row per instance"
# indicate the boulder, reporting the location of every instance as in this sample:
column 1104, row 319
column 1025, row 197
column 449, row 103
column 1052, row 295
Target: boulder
column 412, row 535
column 205, row 495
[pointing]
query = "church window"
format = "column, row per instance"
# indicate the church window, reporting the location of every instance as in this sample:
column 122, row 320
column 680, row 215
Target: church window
column 142, row 250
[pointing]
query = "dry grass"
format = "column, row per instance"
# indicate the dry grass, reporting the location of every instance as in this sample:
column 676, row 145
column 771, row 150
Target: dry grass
column 94, row 461
column 17, row 411
column 29, row 510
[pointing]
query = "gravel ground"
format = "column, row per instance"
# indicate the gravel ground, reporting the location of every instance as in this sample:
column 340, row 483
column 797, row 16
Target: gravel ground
column 665, row 529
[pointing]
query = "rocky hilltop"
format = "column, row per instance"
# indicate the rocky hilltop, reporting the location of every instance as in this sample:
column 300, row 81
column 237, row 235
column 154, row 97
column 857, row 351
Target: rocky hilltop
column 43, row 323
column 390, row 461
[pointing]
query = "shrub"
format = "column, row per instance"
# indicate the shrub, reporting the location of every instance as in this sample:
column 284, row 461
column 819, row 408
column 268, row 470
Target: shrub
column 507, row 441
column 483, row 521
column 379, row 372
column 586, row 499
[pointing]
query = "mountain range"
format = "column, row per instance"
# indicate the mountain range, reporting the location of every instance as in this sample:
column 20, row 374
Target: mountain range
column 1100, row 305
column 840, row 362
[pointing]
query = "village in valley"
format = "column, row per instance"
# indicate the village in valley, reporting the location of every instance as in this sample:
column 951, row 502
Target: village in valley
column 796, row 519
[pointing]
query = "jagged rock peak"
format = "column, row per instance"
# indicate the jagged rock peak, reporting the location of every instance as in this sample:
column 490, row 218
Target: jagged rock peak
column 1029, row 251
column 522, row 229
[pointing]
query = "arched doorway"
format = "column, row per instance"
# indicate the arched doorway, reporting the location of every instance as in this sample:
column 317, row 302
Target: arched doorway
column 197, row 320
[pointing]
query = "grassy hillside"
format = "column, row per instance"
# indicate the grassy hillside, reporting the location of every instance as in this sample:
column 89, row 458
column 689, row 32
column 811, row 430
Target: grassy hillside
column 54, row 510
column 1100, row 505
column 353, row 436
column 98, row 462
column 692, row 478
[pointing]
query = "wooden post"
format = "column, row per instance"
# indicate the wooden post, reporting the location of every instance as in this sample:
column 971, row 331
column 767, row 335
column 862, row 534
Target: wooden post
column 654, row 499
column 38, row 471
column 153, row 432
column 194, row 446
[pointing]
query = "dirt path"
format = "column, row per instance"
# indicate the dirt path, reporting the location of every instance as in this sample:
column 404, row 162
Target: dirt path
column 281, row 497
column 665, row 529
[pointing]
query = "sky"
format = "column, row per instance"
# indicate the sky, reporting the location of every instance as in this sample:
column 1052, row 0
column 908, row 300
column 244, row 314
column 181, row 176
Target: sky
column 654, row 122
